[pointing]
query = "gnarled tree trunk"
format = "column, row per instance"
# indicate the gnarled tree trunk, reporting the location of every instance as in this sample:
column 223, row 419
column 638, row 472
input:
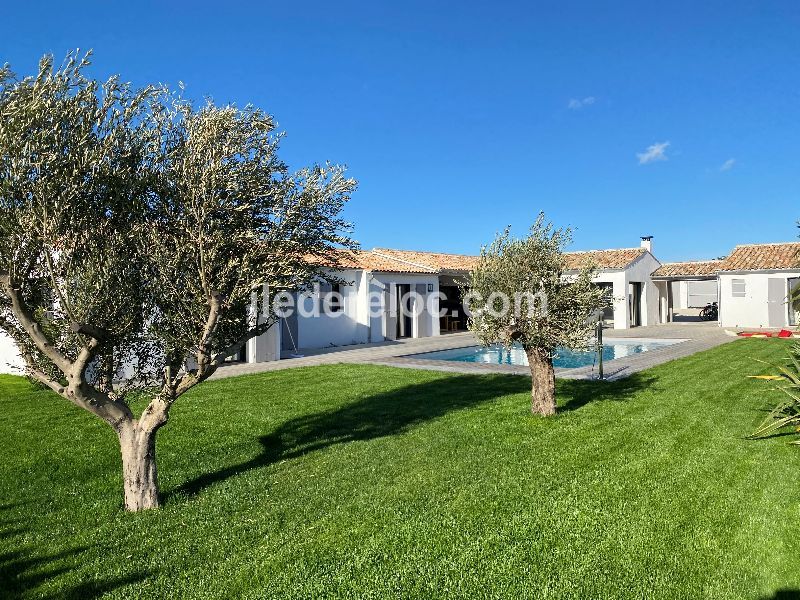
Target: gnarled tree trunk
column 139, row 474
column 543, row 382
column 137, row 443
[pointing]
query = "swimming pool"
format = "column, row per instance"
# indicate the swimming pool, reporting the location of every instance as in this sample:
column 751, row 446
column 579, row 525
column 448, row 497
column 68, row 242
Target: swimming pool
column 565, row 359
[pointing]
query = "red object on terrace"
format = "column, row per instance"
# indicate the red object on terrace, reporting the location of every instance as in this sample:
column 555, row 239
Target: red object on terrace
column 783, row 333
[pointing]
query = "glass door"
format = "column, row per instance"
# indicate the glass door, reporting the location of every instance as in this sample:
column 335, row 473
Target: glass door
column 794, row 301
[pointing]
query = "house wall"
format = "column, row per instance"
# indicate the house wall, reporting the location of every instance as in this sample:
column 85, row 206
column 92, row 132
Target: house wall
column 427, row 322
column 10, row 360
column 356, row 323
column 640, row 271
column 686, row 293
column 680, row 294
column 617, row 280
column 339, row 329
column 752, row 310
column 701, row 292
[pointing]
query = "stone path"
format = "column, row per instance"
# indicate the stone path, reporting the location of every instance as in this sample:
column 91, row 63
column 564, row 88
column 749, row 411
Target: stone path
column 696, row 336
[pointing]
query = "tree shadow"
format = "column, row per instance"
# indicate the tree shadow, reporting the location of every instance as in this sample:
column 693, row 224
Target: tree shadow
column 784, row 594
column 771, row 436
column 399, row 410
column 576, row 393
column 26, row 568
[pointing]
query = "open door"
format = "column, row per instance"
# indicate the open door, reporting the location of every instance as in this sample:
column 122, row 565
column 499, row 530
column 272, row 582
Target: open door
column 635, row 303
column 794, row 301
column 405, row 322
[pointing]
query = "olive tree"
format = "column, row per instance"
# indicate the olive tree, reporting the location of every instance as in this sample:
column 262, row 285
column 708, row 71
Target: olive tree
column 521, row 292
column 143, row 242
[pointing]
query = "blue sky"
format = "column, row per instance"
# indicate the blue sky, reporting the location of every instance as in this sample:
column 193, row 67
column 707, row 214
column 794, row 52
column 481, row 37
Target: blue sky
column 461, row 118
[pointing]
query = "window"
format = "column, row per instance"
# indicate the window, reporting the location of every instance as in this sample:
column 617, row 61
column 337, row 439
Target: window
column 336, row 298
column 738, row 288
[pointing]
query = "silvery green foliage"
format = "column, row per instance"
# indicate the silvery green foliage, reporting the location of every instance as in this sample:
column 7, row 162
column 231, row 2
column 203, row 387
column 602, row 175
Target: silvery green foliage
column 72, row 173
column 228, row 228
column 553, row 305
column 136, row 230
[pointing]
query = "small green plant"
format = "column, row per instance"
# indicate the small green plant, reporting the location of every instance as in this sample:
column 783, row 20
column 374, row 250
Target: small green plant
column 787, row 412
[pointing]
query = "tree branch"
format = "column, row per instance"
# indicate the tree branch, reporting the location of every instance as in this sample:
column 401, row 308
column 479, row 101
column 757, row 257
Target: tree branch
column 42, row 377
column 225, row 353
column 90, row 330
column 85, row 356
column 31, row 327
column 203, row 357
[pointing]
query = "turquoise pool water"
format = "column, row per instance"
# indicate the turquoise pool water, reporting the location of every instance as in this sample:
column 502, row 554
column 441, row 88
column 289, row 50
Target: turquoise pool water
column 566, row 359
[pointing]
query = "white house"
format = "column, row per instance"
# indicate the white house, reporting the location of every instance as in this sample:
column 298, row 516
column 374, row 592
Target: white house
column 686, row 285
column 626, row 272
column 755, row 285
column 752, row 286
column 369, row 309
column 377, row 282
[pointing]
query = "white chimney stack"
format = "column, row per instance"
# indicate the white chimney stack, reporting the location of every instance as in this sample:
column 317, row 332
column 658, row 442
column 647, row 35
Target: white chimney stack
column 647, row 243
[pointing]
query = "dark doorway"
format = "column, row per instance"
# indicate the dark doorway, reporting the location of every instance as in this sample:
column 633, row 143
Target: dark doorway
column 635, row 303
column 451, row 306
column 403, row 303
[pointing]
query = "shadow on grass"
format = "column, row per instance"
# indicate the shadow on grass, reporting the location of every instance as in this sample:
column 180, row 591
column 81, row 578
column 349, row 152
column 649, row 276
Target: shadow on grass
column 784, row 594
column 26, row 568
column 575, row 393
column 399, row 410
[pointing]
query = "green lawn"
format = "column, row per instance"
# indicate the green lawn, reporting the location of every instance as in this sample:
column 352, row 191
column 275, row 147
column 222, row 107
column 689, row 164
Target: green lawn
column 373, row 482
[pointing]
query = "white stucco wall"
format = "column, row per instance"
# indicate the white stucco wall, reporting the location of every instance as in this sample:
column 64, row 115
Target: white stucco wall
column 638, row 271
column 680, row 295
column 426, row 323
column 617, row 280
column 265, row 347
column 753, row 309
column 10, row 360
column 337, row 329
column 355, row 324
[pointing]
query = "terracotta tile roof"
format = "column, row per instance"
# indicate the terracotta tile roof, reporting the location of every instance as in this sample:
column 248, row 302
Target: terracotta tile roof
column 757, row 257
column 437, row 261
column 604, row 259
column 413, row 261
column 371, row 261
column 695, row 268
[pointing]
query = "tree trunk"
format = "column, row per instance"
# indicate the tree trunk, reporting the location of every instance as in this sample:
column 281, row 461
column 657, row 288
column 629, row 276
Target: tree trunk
column 543, row 382
column 138, row 446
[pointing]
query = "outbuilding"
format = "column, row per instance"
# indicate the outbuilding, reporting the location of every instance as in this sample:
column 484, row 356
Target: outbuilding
column 756, row 284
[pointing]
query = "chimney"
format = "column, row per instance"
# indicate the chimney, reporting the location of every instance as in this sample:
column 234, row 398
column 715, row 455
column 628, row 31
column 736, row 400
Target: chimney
column 647, row 243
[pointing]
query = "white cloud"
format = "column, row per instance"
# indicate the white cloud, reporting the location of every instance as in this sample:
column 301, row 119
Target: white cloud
column 653, row 153
column 728, row 164
column 576, row 104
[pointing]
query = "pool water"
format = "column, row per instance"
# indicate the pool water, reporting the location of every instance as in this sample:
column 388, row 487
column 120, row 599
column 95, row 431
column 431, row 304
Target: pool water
column 565, row 359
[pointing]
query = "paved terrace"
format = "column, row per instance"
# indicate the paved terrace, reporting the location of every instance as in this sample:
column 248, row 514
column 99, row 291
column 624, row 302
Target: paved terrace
column 696, row 336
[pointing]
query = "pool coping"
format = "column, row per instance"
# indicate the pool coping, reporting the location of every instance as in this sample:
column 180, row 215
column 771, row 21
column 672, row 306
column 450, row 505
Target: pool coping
column 672, row 348
column 395, row 353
